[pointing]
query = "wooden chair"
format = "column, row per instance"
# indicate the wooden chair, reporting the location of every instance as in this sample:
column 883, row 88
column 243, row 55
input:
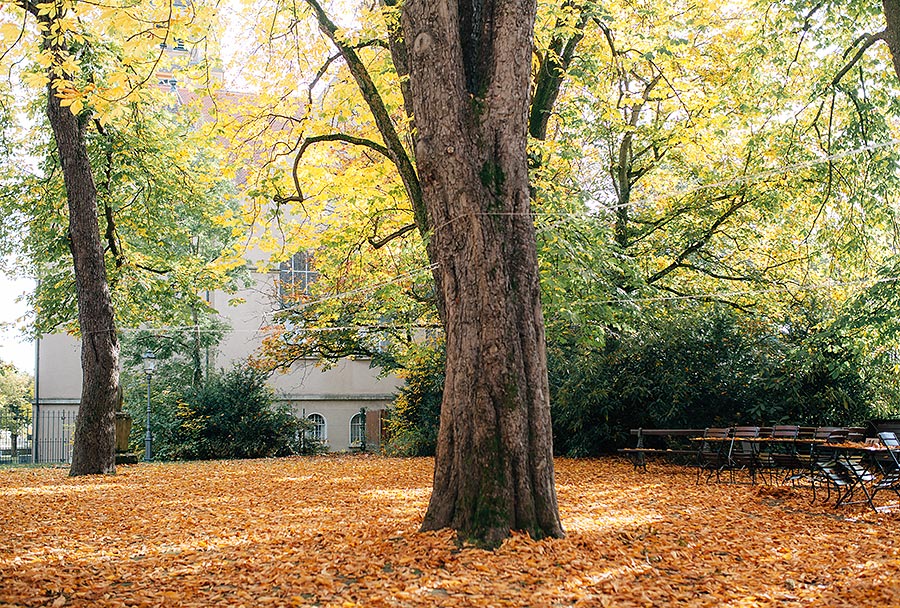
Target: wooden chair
column 856, row 434
column 744, row 455
column 889, row 465
column 780, row 456
column 712, row 455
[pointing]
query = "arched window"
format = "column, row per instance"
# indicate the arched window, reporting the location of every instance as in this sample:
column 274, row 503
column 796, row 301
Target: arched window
column 318, row 431
column 358, row 429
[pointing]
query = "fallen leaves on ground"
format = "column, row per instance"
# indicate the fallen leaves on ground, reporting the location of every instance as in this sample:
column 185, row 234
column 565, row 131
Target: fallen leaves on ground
column 342, row 531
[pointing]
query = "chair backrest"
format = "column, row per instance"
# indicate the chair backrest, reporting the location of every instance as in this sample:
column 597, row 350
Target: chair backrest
column 807, row 432
column 889, row 439
column 716, row 433
column 838, row 436
column 786, row 431
column 856, row 433
column 824, row 432
column 713, row 451
column 746, row 431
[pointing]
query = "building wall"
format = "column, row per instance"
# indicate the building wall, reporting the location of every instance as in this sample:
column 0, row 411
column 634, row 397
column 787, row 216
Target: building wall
column 59, row 369
column 337, row 416
column 336, row 393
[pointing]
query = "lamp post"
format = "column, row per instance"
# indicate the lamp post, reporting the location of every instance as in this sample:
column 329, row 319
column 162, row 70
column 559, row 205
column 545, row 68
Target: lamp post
column 149, row 366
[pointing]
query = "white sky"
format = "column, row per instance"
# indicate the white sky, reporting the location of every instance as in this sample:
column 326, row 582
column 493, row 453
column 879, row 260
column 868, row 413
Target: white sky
column 14, row 348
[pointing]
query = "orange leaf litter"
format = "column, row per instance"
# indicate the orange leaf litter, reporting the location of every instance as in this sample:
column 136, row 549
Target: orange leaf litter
column 343, row 531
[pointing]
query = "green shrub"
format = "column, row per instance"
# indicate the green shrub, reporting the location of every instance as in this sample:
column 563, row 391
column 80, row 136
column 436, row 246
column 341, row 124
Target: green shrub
column 708, row 367
column 412, row 424
column 231, row 415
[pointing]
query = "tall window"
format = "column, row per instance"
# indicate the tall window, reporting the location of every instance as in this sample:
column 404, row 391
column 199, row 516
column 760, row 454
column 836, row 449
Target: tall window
column 294, row 277
column 358, row 429
column 318, row 431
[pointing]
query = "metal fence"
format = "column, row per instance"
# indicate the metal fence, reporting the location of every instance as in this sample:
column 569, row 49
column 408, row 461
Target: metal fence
column 54, row 431
column 15, row 440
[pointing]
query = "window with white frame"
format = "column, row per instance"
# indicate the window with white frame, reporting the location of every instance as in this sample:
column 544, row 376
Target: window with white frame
column 318, row 432
column 358, row 429
column 295, row 275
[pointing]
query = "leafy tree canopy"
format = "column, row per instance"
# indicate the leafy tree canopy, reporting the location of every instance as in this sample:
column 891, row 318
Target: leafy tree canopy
column 16, row 393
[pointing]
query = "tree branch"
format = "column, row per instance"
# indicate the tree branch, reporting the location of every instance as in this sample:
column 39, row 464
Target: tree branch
column 867, row 40
column 400, row 57
column 378, row 244
column 716, row 275
column 552, row 71
column 350, row 139
column 154, row 270
column 110, row 233
column 700, row 242
column 364, row 44
column 28, row 6
column 368, row 90
column 307, row 142
column 21, row 32
column 321, row 73
column 704, row 298
column 891, row 10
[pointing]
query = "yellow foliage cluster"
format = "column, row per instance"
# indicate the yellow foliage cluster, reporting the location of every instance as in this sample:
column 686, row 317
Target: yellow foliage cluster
column 136, row 33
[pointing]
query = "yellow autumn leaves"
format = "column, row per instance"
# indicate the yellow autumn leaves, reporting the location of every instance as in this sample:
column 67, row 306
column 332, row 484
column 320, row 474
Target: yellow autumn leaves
column 65, row 41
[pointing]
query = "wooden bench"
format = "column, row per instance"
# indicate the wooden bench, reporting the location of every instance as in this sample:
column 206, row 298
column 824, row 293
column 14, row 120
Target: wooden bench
column 638, row 454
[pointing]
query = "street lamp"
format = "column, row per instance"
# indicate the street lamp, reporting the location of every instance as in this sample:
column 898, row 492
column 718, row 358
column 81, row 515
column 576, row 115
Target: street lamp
column 149, row 366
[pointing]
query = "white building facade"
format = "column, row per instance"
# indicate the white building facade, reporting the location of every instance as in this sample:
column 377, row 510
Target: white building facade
column 345, row 402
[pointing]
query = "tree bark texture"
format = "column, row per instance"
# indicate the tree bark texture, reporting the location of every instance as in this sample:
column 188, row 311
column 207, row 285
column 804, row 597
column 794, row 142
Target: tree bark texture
column 892, row 32
column 95, row 430
column 470, row 67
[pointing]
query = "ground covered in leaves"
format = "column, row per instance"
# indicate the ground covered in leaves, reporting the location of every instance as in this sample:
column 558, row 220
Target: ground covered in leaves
column 342, row 531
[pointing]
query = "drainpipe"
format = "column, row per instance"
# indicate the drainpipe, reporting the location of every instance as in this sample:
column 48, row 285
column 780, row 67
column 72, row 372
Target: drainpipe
column 36, row 408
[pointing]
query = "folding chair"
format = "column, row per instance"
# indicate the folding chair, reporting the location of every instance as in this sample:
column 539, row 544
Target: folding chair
column 889, row 465
column 825, row 470
column 712, row 456
column 744, row 455
column 781, row 453
column 805, row 450
column 859, row 467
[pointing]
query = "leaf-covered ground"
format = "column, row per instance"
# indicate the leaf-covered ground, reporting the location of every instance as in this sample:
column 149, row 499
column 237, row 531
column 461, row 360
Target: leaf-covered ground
column 342, row 531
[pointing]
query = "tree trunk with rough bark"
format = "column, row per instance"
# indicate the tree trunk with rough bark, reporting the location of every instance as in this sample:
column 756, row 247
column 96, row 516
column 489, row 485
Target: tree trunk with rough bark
column 470, row 67
column 95, row 430
column 892, row 32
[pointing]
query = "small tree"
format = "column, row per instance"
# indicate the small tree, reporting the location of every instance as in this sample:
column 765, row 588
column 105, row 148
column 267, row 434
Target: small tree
column 16, row 390
column 88, row 62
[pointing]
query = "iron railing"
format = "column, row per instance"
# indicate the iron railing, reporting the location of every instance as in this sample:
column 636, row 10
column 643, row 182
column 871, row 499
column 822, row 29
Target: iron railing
column 15, row 439
column 54, row 431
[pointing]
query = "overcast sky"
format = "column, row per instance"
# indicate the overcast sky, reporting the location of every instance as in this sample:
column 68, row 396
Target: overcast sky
column 13, row 346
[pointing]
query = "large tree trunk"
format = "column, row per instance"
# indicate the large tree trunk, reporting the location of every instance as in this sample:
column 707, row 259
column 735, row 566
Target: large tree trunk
column 470, row 70
column 95, row 429
column 892, row 32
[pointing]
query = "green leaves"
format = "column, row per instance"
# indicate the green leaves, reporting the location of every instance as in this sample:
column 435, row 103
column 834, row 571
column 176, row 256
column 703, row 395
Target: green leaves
column 707, row 366
column 161, row 199
column 16, row 392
